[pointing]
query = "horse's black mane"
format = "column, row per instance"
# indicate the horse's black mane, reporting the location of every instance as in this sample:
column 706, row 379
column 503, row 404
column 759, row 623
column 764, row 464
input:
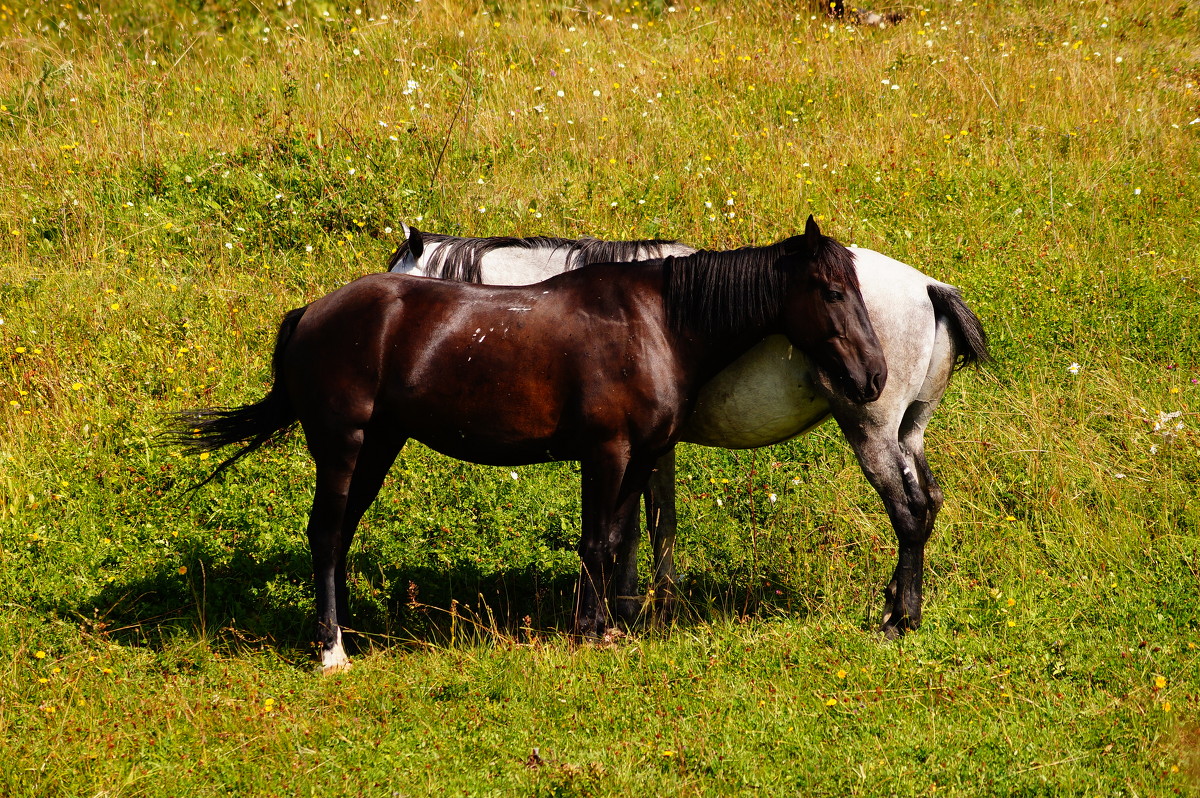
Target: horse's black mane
column 726, row 292
column 461, row 258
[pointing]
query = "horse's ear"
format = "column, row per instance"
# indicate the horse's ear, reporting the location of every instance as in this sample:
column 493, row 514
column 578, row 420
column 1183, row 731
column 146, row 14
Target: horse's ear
column 810, row 240
column 416, row 244
column 812, row 233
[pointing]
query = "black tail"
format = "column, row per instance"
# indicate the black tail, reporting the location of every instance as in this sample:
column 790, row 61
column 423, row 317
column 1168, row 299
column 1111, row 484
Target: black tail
column 208, row 430
column 970, row 341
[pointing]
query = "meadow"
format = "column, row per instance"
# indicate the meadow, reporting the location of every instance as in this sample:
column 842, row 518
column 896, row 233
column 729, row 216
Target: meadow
column 177, row 175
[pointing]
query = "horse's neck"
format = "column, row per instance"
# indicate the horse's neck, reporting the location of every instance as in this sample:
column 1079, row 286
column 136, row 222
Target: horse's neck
column 672, row 249
column 520, row 266
column 707, row 354
column 524, row 266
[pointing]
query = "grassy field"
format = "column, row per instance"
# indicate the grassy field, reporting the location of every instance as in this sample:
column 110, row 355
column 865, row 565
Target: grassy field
column 175, row 177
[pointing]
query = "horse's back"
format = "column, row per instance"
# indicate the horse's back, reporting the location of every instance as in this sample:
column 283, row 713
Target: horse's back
column 491, row 374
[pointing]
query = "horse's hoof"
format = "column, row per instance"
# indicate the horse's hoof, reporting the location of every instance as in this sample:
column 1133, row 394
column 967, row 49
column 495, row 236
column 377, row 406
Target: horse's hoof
column 336, row 667
column 334, row 659
column 588, row 634
column 894, row 628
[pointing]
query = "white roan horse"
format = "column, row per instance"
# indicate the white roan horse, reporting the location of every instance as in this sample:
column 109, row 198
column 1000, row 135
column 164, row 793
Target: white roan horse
column 773, row 393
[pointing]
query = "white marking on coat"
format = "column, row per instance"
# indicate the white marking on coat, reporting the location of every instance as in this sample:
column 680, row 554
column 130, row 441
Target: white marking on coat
column 334, row 658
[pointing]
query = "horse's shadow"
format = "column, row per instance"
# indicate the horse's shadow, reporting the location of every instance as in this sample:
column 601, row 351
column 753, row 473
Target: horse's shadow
column 264, row 602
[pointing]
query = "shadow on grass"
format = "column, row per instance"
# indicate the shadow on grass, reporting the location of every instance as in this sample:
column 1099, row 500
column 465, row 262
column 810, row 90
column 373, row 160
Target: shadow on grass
column 265, row 603
column 254, row 602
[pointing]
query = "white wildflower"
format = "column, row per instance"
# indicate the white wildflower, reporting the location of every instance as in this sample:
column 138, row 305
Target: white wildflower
column 1164, row 427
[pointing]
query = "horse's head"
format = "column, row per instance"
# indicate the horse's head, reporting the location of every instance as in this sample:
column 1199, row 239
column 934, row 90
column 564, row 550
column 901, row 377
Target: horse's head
column 407, row 256
column 826, row 318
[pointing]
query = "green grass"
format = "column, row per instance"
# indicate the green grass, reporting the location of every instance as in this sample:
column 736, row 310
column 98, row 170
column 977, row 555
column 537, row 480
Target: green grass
column 174, row 179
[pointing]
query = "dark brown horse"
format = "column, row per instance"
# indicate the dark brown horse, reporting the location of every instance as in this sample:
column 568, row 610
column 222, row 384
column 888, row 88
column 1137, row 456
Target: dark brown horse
column 600, row 365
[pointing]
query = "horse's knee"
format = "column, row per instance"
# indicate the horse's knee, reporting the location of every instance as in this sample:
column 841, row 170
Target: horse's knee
column 936, row 498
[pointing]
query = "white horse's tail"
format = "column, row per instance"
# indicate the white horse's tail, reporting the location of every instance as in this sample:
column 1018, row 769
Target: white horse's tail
column 970, row 340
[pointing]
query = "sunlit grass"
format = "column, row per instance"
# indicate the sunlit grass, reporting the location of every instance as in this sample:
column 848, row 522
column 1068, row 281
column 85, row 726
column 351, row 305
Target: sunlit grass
column 174, row 180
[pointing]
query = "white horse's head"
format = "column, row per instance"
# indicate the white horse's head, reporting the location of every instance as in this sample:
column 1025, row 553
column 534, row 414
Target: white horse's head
column 407, row 257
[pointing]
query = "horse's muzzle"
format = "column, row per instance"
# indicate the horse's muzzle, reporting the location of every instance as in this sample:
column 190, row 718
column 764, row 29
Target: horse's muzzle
column 866, row 389
column 874, row 386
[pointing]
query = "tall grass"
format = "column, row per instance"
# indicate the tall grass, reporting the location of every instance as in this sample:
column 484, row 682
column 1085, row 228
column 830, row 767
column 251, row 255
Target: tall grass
column 175, row 177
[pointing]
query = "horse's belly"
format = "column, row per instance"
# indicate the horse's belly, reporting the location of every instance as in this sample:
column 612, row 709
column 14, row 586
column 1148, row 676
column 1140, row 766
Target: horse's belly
column 490, row 452
column 768, row 395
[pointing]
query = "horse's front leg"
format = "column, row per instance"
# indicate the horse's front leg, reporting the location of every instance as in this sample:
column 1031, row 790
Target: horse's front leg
column 912, row 500
column 627, row 603
column 662, row 524
column 611, row 486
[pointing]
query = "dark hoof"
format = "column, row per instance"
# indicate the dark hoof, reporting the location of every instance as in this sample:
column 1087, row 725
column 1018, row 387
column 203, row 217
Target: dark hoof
column 589, row 632
column 894, row 627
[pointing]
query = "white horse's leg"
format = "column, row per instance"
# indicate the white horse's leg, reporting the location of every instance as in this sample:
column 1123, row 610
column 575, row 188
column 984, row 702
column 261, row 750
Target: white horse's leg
column 912, row 441
column 904, row 482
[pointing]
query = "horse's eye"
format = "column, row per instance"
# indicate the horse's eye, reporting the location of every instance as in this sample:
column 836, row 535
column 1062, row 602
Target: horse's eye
column 834, row 296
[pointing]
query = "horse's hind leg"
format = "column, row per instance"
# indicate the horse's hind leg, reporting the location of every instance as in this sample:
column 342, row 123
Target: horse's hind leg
column 912, row 441
column 374, row 461
column 925, row 509
column 334, row 473
column 350, row 471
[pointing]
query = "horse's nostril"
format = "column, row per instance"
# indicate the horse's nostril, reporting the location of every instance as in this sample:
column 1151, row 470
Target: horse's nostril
column 875, row 384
